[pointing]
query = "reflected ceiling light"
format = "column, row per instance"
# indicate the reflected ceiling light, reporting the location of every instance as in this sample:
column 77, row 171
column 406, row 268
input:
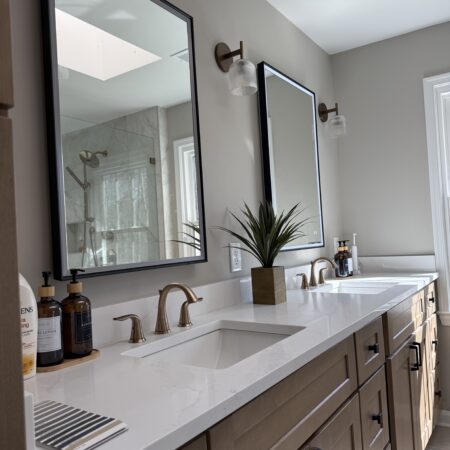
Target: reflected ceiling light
column 182, row 54
column 94, row 52
column 337, row 125
column 121, row 14
column 241, row 73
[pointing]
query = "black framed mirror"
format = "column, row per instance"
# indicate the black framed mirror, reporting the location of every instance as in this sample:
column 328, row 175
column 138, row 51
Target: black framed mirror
column 290, row 153
column 123, row 136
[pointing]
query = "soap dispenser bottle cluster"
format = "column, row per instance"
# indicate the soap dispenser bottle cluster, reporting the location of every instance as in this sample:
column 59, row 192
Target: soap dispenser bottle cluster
column 343, row 260
column 347, row 263
column 64, row 329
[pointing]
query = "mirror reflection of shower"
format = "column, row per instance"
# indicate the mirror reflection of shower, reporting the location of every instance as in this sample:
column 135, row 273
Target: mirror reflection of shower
column 89, row 159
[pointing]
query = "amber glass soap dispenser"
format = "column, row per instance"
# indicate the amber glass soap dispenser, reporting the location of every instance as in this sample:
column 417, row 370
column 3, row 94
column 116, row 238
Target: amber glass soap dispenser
column 77, row 321
column 49, row 343
column 343, row 260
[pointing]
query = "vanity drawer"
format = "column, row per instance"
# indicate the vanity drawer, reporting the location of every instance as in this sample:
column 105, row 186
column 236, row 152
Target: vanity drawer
column 374, row 412
column 286, row 415
column 420, row 308
column 431, row 298
column 342, row 432
column 370, row 353
column 199, row 443
column 399, row 324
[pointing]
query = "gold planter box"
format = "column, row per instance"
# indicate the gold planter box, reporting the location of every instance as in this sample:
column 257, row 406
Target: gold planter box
column 268, row 285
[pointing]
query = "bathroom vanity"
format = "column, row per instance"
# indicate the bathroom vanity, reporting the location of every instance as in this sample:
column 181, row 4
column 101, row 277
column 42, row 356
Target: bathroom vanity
column 341, row 398
column 351, row 365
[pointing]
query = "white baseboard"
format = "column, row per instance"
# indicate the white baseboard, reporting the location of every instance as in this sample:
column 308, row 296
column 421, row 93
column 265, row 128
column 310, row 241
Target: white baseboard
column 444, row 316
column 444, row 419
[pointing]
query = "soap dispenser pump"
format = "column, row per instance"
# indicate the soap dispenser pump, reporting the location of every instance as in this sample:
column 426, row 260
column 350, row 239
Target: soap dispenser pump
column 49, row 343
column 77, row 320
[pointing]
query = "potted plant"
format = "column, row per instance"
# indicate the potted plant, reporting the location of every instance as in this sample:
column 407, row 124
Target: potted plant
column 264, row 235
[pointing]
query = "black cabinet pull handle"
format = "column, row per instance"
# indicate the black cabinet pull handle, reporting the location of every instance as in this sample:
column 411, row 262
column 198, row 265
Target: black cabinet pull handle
column 378, row 418
column 416, row 365
column 438, row 394
column 420, row 352
column 431, row 299
column 374, row 348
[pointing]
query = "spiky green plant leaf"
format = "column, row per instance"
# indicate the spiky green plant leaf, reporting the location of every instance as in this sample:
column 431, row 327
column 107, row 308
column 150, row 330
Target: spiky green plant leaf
column 265, row 234
column 193, row 238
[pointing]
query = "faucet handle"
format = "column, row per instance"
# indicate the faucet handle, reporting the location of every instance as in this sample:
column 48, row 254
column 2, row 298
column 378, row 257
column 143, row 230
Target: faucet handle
column 136, row 336
column 305, row 284
column 322, row 275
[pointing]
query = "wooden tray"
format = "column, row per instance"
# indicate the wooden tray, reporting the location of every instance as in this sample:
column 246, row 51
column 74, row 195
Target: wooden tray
column 70, row 362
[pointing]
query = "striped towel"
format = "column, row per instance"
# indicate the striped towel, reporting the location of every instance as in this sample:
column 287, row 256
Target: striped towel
column 62, row 427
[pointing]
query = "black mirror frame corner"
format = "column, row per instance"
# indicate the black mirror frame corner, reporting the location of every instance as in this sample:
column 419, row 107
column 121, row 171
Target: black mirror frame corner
column 61, row 272
column 265, row 147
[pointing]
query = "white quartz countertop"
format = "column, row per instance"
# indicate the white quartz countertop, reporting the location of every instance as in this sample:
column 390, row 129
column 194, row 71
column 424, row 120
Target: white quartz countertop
column 167, row 404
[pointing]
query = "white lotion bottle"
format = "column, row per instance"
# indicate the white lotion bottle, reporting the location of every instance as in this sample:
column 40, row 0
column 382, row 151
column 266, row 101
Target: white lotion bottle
column 28, row 327
column 356, row 270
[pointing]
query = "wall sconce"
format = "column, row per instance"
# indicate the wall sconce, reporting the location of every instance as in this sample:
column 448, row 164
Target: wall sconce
column 241, row 73
column 337, row 126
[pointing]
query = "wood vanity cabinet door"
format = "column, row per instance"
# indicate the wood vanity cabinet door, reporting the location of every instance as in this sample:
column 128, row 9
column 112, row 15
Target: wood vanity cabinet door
column 421, row 393
column 436, row 396
column 400, row 397
column 370, row 354
column 435, row 393
column 341, row 432
column 199, row 443
column 399, row 324
column 433, row 343
column 374, row 412
column 286, row 416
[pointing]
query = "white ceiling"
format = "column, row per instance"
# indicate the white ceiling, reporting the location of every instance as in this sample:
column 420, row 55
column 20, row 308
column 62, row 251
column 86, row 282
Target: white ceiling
column 85, row 99
column 338, row 25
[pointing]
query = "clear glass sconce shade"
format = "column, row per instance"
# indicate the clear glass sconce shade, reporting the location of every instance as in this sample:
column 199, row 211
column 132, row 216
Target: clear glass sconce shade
column 242, row 77
column 337, row 126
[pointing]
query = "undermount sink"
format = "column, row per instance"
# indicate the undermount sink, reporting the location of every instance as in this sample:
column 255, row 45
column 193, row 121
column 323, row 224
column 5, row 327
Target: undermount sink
column 216, row 345
column 355, row 287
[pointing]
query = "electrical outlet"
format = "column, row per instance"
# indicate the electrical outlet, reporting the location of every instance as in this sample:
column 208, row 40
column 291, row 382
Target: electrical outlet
column 235, row 257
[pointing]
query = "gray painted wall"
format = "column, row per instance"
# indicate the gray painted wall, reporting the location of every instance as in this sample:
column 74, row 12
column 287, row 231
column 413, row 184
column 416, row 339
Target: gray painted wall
column 229, row 137
column 383, row 158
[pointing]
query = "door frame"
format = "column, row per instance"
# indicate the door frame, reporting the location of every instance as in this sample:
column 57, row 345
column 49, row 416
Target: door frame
column 436, row 91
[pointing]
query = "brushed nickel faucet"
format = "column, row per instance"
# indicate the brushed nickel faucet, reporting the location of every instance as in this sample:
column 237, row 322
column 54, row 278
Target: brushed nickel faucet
column 313, row 280
column 162, row 322
column 136, row 336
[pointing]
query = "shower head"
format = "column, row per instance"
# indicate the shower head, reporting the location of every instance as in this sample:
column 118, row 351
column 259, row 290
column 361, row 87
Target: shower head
column 90, row 158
